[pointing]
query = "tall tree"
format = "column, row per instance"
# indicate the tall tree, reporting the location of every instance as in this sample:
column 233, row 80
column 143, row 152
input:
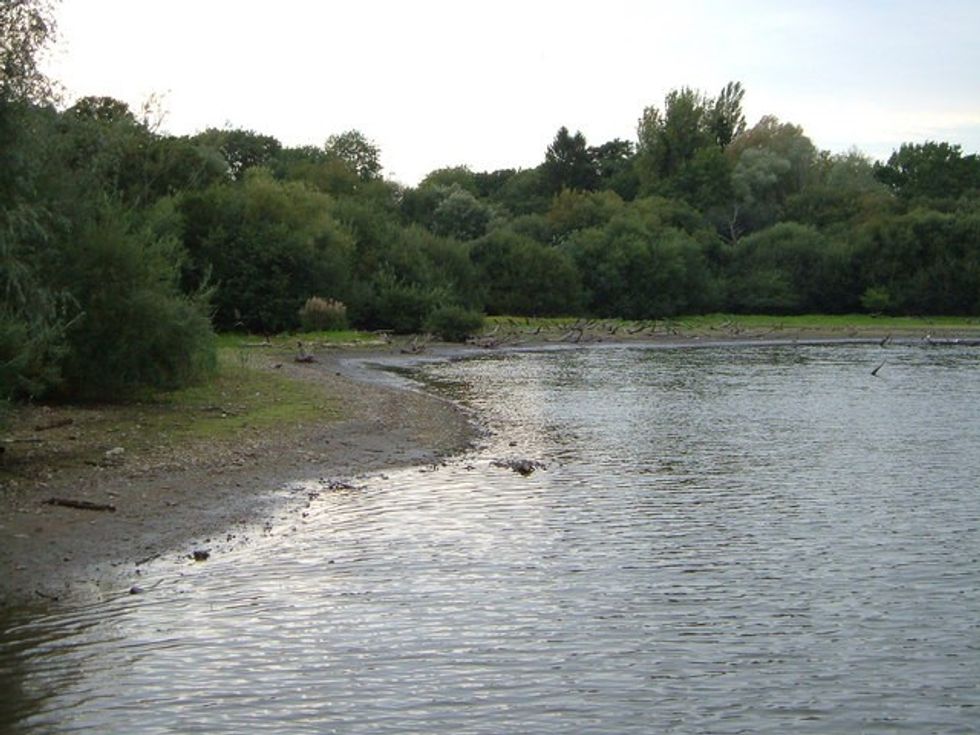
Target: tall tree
column 242, row 149
column 569, row 164
column 930, row 170
column 689, row 131
column 361, row 155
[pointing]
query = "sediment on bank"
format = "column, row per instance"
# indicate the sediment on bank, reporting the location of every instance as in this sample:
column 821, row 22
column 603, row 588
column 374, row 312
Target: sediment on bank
column 205, row 495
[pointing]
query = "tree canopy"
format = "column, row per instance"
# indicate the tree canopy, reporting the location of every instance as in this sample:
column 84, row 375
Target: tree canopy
column 122, row 247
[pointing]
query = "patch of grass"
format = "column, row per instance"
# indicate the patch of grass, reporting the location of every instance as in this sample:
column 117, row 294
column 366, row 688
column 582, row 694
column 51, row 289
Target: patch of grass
column 239, row 397
column 341, row 338
column 826, row 322
column 708, row 323
column 245, row 400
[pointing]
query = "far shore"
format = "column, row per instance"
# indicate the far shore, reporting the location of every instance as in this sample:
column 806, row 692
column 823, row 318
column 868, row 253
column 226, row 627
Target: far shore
column 209, row 499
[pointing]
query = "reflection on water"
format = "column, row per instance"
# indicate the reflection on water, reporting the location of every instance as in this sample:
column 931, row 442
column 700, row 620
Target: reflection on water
column 725, row 540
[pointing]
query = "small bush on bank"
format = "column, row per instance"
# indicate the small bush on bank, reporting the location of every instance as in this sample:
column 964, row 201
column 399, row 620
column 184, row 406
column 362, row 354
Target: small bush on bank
column 454, row 323
column 323, row 315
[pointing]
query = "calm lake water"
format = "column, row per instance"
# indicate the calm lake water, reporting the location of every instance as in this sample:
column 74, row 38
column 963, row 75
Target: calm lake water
column 725, row 540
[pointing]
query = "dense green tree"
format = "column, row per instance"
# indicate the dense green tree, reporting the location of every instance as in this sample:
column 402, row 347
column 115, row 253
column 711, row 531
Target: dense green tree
column 577, row 210
column 131, row 327
column 614, row 167
column 772, row 162
column 636, row 267
column 842, row 193
column 522, row 276
column 923, row 262
column 680, row 148
column 524, row 192
column 460, row 176
column 32, row 321
column 267, row 246
column 360, row 155
column 791, row 268
column 725, row 120
column 931, row 170
column 569, row 163
column 461, row 215
column 241, row 149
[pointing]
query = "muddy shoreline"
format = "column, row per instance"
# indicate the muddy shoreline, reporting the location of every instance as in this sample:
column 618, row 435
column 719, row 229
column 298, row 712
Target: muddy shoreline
column 212, row 501
column 215, row 500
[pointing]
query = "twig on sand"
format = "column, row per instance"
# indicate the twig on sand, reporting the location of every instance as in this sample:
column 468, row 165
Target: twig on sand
column 80, row 504
column 875, row 371
column 57, row 423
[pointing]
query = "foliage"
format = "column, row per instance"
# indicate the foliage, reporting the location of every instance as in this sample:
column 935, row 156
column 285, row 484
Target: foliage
column 400, row 305
column 690, row 122
column 636, row 268
column 132, row 327
column 454, row 323
column 927, row 261
column 788, row 269
column 26, row 27
column 321, row 315
column 358, row 153
column 117, row 242
column 569, row 163
column 459, row 214
column 524, row 277
column 267, row 246
column 241, row 149
column 931, row 171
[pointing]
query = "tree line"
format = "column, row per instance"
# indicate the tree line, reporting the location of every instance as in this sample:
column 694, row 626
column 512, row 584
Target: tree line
column 123, row 248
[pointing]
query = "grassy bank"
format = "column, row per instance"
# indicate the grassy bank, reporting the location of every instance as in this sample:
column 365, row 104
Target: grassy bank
column 247, row 398
column 734, row 324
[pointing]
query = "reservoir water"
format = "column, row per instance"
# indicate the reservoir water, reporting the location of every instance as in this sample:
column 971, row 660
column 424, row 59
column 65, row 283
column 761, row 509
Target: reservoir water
column 724, row 539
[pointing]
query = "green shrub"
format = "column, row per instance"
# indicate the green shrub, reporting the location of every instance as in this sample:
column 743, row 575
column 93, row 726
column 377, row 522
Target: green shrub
column 876, row 300
column 454, row 323
column 323, row 315
column 399, row 305
column 133, row 328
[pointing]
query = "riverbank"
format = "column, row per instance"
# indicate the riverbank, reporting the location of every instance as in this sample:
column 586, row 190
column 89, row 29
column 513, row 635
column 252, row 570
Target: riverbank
column 204, row 495
column 207, row 495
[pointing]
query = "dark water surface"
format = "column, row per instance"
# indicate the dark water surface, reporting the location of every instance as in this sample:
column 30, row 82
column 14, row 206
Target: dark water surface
column 727, row 539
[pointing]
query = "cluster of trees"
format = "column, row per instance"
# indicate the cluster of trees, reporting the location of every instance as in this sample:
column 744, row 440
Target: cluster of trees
column 123, row 248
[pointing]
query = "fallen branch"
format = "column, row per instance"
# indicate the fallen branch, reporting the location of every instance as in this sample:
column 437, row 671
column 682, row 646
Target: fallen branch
column 80, row 504
column 54, row 424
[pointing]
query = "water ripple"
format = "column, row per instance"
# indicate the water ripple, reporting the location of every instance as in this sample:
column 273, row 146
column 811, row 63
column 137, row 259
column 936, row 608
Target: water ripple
column 725, row 540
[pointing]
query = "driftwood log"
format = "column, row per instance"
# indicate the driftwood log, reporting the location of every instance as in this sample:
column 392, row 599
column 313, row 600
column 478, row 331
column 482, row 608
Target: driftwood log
column 80, row 504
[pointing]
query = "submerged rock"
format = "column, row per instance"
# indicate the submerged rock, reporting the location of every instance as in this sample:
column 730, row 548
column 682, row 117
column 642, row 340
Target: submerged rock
column 522, row 467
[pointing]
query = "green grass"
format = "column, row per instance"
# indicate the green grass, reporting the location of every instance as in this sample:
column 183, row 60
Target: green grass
column 348, row 337
column 245, row 399
column 239, row 397
column 756, row 322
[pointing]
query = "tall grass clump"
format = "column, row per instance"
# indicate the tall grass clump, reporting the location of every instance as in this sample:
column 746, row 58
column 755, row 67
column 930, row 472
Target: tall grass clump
column 323, row 315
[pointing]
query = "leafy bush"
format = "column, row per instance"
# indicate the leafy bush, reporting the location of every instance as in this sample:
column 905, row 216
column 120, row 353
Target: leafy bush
column 400, row 305
column 133, row 328
column 876, row 300
column 267, row 245
column 454, row 323
column 320, row 314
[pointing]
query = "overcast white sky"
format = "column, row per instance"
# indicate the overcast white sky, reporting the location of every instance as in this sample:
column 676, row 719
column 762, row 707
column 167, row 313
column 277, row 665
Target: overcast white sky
column 487, row 84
